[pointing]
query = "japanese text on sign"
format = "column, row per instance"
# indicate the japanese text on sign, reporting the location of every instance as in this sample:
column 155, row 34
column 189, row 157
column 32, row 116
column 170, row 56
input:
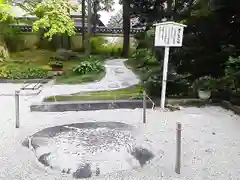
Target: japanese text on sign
column 168, row 35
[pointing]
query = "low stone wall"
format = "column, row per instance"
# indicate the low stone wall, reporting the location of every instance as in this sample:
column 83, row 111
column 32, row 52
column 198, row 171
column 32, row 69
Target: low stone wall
column 32, row 40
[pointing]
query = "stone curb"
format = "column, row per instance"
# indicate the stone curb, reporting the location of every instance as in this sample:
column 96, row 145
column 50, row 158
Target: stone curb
column 123, row 104
column 227, row 105
column 25, row 80
column 110, row 104
column 87, row 105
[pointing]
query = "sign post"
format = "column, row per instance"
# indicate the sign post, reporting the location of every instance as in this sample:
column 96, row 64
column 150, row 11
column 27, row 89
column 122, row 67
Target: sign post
column 167, row 34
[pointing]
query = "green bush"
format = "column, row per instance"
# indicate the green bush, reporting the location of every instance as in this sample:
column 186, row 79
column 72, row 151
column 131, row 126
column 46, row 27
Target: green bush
column 205, row 83
column 13, row 39
column 177, row 84
column 100, row 47
column 23, row 73
column 143, row 58
column 86, row 67
column 228, row 86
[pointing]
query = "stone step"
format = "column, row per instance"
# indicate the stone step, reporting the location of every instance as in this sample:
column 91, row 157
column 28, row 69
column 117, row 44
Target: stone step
column 31, row 86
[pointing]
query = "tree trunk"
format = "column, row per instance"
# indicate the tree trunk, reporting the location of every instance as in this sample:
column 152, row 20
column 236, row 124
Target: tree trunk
column 83, row 23
column 4, row 54
column 95, row 4
column 126, row 28
column 169, row 10
column 89, row 33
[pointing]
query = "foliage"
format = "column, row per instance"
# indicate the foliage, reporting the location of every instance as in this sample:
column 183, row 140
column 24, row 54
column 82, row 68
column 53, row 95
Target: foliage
column 101, row 47
column 204, row 83
column 97, row 42
column 88, row 66
column 5, row 11
column 231, row 80
column 144, row 60
column 54, row 16
column 10, row 72
column 177, row 84
column 150, row 71
column 13, row 39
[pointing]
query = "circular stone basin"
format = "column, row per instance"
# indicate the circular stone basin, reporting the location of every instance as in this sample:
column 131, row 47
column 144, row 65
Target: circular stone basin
column 88, row 149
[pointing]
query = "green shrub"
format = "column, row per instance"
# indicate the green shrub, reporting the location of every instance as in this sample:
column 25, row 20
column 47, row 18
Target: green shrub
column 100, row 47
column 178, row 85
column 86, row 67
column 13, row 39
column 143, row 58
column 23, row 73
column 204, row 83
column 228, row 86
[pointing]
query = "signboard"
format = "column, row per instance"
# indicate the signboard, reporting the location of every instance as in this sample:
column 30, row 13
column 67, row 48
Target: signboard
column 169, row 34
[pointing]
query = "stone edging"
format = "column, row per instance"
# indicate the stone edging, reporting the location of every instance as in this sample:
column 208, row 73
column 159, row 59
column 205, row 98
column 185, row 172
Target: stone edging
column 25, row 80
column 123, row 104
column 110, row 104
column 227, row 105
column 87, row 105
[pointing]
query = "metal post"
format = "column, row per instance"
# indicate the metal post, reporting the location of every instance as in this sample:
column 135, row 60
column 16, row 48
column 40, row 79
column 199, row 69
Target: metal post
column 178, row 148
column 17, row 108
column 144, row 107
column 164, row 79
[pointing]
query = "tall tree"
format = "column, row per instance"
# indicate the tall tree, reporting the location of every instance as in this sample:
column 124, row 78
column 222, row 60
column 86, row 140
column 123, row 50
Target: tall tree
column 54, row 15
column 126, row 28
column 100, row 5
column 83, row 23
column 5, row 14
column 89, row 33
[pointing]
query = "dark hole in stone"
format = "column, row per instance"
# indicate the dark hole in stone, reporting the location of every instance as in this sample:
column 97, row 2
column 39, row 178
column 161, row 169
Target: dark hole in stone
column 83, row 172
column 43, row 159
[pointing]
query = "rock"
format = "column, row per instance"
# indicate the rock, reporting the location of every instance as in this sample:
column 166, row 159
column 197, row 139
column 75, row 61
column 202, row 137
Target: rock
column 64, row 54
column 83, row 172
column 97, row 171
column 173, row 108
column 43, row 159
column 142, row 155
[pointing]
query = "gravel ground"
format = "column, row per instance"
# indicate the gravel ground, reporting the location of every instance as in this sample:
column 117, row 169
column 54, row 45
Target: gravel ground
column 210, row 146
column 211, row 142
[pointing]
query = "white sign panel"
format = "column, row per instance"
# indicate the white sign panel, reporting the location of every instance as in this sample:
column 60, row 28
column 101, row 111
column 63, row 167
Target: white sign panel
column 169, row 34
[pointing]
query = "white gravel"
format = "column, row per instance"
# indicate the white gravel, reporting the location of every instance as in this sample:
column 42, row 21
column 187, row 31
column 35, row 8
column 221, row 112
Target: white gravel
column 211, row 142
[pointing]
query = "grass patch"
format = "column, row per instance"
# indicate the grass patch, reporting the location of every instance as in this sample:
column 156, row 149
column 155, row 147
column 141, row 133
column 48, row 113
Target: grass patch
column 72, row 78
column 122, row 94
